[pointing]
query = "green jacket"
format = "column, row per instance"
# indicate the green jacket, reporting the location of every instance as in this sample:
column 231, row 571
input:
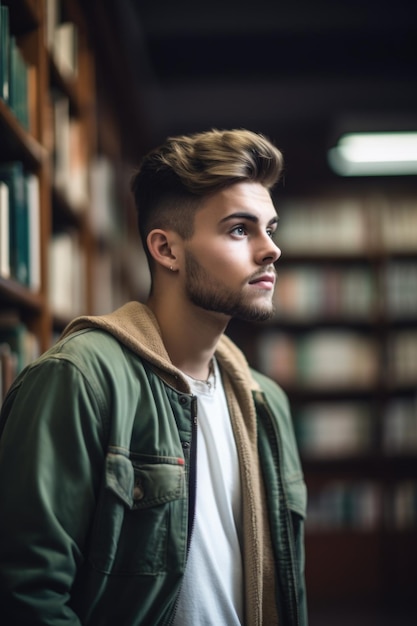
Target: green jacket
column 97, row 481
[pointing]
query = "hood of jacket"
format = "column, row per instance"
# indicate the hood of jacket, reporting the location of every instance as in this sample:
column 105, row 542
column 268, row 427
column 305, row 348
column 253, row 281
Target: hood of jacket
column 135, row 326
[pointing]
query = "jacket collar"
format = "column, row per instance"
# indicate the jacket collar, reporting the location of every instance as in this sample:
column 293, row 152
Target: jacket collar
column 135, row 326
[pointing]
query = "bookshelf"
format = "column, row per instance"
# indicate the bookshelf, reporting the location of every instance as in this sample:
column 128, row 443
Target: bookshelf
column 63, row 180
column 343, row 344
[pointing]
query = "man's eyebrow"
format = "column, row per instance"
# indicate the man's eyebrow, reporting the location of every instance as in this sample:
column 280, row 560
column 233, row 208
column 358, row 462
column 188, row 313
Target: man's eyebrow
column 248, row 216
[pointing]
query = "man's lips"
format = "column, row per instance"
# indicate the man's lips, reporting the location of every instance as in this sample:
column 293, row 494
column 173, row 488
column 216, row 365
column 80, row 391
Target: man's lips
column 264, row 281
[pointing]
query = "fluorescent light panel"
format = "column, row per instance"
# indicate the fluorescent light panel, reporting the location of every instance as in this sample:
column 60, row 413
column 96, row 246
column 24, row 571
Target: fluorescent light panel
column 375, row 154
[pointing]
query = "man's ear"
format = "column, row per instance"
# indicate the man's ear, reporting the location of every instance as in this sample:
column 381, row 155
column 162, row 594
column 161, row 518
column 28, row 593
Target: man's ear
column 162, row 246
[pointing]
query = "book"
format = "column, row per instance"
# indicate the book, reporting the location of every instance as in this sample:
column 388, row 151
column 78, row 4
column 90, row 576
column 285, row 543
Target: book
column 319, row 359
column 337, row 225
column 65, row 41
column 66, row 274
column 4, row 53
column 18, row 84
column 399, row 426
column 34, row 229
column 334, row 430
column 22, row 342
column 402, row 357
column 341, row 504
column 303, row 293
column 4, row 231
column 62, row 143
column 13, row 175
column 400, row 289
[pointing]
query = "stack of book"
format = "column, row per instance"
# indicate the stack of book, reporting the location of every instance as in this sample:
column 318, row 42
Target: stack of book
column 14, row 72
column 319, row 359
column 67, row 274
column 19, row 225
column 18, row 347
column 306, row 292
column 345, row 504
column 334, row 430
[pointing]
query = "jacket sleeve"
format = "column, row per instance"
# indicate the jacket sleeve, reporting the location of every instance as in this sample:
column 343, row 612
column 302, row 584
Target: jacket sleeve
column 51, row 459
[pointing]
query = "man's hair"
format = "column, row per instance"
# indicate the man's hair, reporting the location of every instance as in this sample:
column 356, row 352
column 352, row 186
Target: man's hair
column 174, row 178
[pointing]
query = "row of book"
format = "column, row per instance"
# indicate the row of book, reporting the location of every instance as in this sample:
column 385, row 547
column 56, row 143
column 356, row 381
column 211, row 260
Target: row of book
column 363, row 505
column 70, row 171
column 355, row 225
column 67, row 274
column 307, row 292
column 18, row 347
column 319, row 359
column 16, row 75
column 399, row 426
column 338, row 359
column 61, row 38
column 399, row 290
column 19, row 225
column 335, row 430
column 401, row 364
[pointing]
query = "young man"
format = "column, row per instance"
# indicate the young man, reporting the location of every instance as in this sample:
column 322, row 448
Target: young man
column 148, row 476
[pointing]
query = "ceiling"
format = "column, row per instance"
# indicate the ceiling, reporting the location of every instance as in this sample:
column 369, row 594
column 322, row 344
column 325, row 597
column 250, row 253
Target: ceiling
column 299, row 72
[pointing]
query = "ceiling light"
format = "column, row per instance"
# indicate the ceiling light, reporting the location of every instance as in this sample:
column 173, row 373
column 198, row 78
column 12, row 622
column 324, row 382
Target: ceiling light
column 375, row 154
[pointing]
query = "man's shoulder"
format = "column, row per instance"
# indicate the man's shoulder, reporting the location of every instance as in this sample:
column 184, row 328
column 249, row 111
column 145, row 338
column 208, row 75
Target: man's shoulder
column 89, row 350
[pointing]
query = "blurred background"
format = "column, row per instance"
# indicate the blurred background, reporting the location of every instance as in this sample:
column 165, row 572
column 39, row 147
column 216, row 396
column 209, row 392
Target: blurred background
column 87, row 87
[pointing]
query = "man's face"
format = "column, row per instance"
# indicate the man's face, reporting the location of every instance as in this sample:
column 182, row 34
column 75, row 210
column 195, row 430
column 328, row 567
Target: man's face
column 229, row 259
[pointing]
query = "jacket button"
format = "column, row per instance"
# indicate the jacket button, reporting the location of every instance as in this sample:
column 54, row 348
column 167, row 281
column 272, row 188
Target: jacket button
column 183, row 400
column 185, row 445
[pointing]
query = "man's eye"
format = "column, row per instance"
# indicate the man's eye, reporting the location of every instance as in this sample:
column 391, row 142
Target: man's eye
column 239, row 230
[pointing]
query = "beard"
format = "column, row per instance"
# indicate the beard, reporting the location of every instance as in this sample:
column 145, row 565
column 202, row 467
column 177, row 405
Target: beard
column 208, row 294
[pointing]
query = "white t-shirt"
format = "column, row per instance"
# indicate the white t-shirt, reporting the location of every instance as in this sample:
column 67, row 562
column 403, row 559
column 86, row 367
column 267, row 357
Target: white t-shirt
column 212, row 589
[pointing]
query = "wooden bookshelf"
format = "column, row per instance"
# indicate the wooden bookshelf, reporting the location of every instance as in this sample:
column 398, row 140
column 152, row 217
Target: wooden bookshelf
column 56, row 135
column 357, row 433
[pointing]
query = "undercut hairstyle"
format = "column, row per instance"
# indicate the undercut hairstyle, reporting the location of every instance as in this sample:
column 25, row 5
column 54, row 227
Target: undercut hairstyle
column 174, row 179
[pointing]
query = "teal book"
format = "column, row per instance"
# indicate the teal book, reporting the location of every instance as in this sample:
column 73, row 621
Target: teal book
column 16, row 336
column 4, row 53
column 18, row 77
column 14, row 176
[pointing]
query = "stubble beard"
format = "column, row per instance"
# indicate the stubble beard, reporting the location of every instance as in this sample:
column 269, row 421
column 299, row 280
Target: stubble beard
column 212, row 296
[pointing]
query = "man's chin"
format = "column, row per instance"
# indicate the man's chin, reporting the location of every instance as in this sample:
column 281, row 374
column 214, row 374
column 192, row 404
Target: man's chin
column 255, row 314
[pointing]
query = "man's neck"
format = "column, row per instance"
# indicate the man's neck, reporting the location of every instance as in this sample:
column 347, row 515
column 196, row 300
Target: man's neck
column 190, row 334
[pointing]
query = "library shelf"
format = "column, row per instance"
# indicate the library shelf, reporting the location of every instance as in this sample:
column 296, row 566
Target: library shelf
column 13, row 294
column 55, row 42
column 18, row 144
column 375, row 466
column 353, row 303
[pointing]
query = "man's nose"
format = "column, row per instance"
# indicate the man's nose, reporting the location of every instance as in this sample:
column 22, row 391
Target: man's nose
column 269, row 253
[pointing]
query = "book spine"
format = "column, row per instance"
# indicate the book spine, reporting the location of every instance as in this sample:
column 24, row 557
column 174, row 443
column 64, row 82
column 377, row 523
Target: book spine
column 4, row 231
column 13, row 175
column 4, row 53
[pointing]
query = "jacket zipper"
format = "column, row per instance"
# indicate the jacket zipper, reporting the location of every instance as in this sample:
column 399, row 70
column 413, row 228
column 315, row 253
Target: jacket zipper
column 193, row 472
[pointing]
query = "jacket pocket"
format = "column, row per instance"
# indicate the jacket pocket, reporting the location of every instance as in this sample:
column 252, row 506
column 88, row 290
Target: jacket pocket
column 132, row 526
column 296, row 494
